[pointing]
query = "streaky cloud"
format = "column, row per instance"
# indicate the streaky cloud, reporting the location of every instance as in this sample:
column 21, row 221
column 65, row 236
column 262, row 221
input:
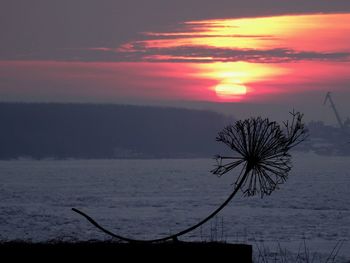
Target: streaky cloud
column 210, row 54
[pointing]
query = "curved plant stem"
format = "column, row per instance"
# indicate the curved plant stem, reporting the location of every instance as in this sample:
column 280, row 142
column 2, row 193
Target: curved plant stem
column 94, row 223
column 174, row 236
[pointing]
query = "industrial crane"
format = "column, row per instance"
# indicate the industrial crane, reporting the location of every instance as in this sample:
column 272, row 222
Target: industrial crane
column 329, row 98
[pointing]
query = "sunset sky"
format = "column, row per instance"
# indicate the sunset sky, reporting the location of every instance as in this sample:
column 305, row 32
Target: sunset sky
column 238, row 57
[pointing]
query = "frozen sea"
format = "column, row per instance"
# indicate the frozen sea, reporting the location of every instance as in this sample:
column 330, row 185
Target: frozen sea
column 153, row 198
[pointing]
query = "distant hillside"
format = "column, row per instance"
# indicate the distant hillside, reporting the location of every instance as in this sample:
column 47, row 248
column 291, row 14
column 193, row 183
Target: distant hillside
column 43, row 130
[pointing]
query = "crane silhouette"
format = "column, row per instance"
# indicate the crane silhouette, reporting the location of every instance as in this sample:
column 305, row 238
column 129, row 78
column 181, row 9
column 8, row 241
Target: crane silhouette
column 329, row 98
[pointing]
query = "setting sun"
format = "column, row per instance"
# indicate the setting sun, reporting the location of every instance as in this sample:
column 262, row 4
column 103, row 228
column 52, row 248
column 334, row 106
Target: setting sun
column 230, row 90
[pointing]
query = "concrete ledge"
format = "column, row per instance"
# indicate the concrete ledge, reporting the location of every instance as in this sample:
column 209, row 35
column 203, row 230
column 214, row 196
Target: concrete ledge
column 123, row 252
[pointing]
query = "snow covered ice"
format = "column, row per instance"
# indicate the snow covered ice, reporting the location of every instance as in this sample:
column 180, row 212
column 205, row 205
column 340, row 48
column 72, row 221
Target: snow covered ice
column 152, row 198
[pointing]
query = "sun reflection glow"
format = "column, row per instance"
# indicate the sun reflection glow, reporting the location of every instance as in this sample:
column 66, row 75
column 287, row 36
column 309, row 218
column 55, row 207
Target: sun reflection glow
column 233, row 79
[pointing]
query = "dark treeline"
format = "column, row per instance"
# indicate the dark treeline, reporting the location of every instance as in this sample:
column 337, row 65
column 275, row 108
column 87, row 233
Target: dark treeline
column 43, row 130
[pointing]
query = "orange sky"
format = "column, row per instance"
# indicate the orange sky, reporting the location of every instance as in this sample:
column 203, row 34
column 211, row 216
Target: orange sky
column 238, row 60
column 252, row 56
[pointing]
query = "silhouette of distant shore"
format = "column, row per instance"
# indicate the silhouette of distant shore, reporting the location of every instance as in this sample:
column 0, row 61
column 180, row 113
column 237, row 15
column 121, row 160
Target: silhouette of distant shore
column 85, row 131
column 108, row 131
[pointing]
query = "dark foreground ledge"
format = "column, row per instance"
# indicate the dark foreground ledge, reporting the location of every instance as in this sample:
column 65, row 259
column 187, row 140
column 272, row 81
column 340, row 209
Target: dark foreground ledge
column 162, row 252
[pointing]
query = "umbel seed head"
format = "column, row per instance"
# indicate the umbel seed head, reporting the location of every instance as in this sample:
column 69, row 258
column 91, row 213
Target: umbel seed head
column 261, row 148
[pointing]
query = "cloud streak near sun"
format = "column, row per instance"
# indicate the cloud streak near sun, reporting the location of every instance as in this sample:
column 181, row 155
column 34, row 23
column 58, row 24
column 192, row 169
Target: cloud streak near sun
column 323, row 37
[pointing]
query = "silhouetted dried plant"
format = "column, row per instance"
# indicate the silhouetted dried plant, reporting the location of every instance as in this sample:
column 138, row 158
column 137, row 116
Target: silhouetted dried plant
column 261, row 148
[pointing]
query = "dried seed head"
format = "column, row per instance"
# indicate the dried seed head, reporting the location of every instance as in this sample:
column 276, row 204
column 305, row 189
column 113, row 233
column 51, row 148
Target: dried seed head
column 262, row 149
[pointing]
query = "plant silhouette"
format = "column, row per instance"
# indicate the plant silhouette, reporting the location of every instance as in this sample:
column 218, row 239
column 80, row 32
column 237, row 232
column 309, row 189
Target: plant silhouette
column 261, row 148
